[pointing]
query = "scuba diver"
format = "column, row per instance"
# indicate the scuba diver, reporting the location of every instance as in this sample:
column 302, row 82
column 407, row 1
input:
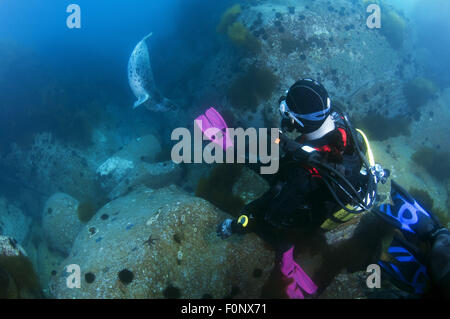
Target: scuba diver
column 324, row 178
column 418, row 260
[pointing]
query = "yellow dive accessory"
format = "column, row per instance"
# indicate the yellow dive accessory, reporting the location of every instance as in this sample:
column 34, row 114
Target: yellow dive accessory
column 243, row 220
column 369, row 150
column 343, row 216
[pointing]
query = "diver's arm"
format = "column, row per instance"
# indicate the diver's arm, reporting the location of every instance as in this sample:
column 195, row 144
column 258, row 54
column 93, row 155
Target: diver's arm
column 246, row 221
column 278, row 206
column 254, row 212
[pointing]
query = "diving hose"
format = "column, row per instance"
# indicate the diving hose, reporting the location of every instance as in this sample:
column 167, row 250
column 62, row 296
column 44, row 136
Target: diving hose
column 332, row 176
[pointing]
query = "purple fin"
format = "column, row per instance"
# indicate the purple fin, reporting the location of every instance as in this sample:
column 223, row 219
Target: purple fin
column 291, row 269
column 211, row 123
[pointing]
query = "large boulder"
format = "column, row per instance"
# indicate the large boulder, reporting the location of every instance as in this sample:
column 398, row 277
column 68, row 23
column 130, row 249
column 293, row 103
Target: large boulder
column 163, row 244
column 152, row 175
column 47, row 261
column 13, row 222
column 250, row 186
column 50, row 166
column 347, row 286
column 44, row 259
column 60, row 222
column 134, row 165
column 145, row 148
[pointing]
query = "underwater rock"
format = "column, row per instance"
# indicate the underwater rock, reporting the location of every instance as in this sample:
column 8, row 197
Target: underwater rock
column 250, row 185
column 343, row 232
column 217, row 188
column 44, row 259
column 135, row 165
column 10, row 247
column 154, row 175
column 347, row 286
column 163, row 244
column 118, row 166
column 60, row 222
column 47, row 262
column 147, row 146
column 50, row 167
column 307, row 48
column 13, row 222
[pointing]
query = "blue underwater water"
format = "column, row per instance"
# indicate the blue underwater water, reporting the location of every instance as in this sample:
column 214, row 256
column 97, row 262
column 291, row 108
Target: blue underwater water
column 67, row 123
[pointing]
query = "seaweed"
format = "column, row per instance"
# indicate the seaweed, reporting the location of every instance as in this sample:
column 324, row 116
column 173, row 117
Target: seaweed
column 442, row 216
column 19, row 275
column 237, row 32
column 393, row 28
column 217, row 188
column 257, row 83
column 4, row 285
column 436, row 163
column 229, row 17
column 381, row 127
column 85, row 211
column 242, row 37
column 422, row 197
column 418, row 92
column 426, row 201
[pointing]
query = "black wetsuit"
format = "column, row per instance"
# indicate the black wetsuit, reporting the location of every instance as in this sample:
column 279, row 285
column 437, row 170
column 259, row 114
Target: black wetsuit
column 439, row 264
column 298, row 197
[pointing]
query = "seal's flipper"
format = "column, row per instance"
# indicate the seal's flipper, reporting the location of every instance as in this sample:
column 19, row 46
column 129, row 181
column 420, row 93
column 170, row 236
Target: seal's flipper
column 148, row 36
column 141, row 101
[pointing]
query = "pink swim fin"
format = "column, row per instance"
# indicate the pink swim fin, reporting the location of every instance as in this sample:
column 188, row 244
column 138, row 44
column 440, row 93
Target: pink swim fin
column 211, row 123
column 291, row 269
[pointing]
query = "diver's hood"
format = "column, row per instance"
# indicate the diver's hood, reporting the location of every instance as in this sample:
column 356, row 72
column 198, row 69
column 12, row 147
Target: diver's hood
column 327, row 126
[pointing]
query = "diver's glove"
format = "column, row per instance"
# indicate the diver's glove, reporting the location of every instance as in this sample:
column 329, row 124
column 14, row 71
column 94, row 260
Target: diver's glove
column 300, row 153
column 224, row 229
column 408, row 216
column 229, row 227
